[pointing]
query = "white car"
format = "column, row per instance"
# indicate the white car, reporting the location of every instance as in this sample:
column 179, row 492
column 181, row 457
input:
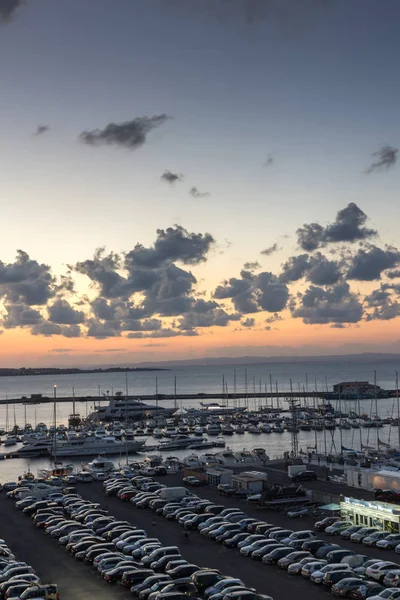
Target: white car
column 379, row 570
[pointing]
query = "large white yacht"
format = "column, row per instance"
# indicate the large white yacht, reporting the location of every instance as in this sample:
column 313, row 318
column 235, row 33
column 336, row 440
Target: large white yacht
column 92, row 445
column 123, row 409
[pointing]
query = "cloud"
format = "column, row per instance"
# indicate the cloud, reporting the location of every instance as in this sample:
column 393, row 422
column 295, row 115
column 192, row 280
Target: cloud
column 252, row 266
column 368, row 264
column 20, row 315
column 336, row 304
column 249, row 322
column 253, row 293
column 61, row 312
column 395, row 274
column 102, row 330
column 349, row 226
column 8, row 8
column 271, row 250
column 387, row 158
column 131, row 134
column 163, row 333
column 41, row 129
column 170, row 177
column 273, row 318
column 61, row 350
column 48, row 329
column 270, row 161
column 26, row 281
column 385, row 307
column 195, row 192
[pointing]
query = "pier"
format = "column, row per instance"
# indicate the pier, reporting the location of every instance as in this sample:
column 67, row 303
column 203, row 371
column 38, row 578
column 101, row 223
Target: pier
column 322, row 395
column 173, row 397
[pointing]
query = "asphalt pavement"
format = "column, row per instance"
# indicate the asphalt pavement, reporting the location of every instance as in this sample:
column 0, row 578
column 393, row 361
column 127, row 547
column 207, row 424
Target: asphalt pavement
column 78, row 580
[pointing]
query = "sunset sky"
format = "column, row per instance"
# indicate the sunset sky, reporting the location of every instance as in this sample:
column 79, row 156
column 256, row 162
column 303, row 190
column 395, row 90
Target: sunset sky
column 198, row 178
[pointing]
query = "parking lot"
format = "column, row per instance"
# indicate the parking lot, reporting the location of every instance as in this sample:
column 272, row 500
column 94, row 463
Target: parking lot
column 76, row 579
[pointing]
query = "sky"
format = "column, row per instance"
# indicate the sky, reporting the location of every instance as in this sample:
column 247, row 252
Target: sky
column 198, row 178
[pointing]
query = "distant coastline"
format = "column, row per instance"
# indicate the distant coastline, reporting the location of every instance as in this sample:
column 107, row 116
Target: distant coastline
column 32, row 371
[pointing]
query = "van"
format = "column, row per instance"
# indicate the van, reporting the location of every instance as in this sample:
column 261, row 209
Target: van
column 49, row 592
column 174, row 493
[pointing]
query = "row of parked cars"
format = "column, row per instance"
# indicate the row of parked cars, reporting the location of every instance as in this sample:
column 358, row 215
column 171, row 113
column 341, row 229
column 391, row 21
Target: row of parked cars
column 18, row 580
column 344, row 572
column 122, row 553
column 368, row 536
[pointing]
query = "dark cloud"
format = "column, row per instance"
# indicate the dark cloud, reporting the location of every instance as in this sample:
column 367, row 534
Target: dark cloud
column 48, row 329
column 295, row 268
column 336, row 304
column 252, row 266
column 102, row 329
column 195, row 192
column 26, row 281
column 41, row 129
column 323, row 271
column 144, row 325
column 170, row 177
column 20, row 315
column 368, row 264
column 172, row 244
column 386, row 159
column 385, row 307
column 252, row 293
column 349, row 226
column 271, row 250
column 395, row 274
column 131, row 134
column 8, row 8
column 206, row 314
column 249, row 322
column 63, row 313
column 270, row 161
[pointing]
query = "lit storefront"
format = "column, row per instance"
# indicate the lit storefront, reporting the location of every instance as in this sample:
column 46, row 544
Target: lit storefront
column 371, row 513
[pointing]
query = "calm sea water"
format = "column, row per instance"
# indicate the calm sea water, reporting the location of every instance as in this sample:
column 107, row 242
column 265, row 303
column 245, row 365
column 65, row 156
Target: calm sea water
column 209, row 379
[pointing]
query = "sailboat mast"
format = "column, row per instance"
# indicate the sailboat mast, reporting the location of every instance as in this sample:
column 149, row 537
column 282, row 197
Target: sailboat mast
column 398, row 411
column 55, row 422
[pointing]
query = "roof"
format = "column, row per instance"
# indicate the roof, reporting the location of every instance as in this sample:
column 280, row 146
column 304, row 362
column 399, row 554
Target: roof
column 387, row 473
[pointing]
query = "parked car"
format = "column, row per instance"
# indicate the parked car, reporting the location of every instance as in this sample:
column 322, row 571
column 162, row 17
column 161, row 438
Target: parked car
column 337, row 527
column 345, row 585
column 304, row 476
column 362, row 533
column 326, row 522
column 389, row 542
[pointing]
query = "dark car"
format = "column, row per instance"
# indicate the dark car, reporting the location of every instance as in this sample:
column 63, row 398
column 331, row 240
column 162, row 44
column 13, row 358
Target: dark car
column 137, row 588
column 387, row 496
column 344, row 586
column 272, row 557
column 334, row 576
column 115, row 574
column 162, row 562
column 232, row 542
column 184, row 587
column 305, row 476
column 335, row 556
column 322, row 525
column 367, row 589
column 206, row 578
column 323, row 550
column 313, row 545
column 131, row 577
column 183, row 571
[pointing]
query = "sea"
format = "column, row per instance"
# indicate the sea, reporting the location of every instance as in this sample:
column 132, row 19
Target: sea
column 284, row 375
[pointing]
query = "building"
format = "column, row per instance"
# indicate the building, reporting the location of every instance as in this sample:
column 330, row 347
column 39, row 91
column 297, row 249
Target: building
column 252, row 481
column 371, row 513
column 356, row 389
column 219, row 475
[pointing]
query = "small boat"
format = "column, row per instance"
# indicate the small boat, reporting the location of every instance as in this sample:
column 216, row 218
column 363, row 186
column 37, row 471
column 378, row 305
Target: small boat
column 10, row 440
column 220, row 442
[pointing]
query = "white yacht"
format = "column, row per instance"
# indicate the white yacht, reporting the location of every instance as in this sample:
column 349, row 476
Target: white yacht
column 123, row 409
column 92, row 445
column 99, row 465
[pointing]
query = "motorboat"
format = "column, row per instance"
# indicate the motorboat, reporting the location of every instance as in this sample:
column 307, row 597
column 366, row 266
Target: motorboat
column 93, row 445
column 220, row 442
column 101, row 464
